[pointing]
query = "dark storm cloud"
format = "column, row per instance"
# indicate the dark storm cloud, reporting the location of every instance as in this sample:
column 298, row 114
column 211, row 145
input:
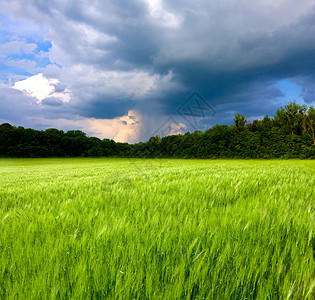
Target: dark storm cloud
column 14, row 105
column 104, row 110
column 308, row 88
column 60, row 87
column 231, row 52
column 22, row 110
column 52, row 101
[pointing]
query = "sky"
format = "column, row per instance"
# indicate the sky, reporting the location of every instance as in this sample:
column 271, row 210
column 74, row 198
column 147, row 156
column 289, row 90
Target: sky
column 130, row 69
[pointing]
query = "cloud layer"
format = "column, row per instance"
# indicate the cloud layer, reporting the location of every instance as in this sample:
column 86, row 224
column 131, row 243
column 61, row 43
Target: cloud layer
column 107, row 60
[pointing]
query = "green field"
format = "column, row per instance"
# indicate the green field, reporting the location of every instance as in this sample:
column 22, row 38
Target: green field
column 157, row 229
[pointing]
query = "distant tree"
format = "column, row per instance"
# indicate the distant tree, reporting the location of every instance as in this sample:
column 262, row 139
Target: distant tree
column 239, row 122
column 154, row 140
column 76, row 143
column 290, row 118
column 5, row 127
column 76, row 133
column 95, row 151
column 309, row 123
column 109, row 147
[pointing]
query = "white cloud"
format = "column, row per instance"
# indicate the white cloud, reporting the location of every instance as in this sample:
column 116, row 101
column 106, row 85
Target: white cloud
column 24, row 64
column 40, row 87
column 161, row 15
column 17, row 47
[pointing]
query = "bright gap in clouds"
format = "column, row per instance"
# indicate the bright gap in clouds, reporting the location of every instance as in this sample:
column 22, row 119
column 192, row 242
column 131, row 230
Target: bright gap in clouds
column 291, row 91
column 158, row 13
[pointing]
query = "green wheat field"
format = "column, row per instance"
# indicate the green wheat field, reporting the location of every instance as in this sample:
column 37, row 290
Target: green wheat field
column 157, row 229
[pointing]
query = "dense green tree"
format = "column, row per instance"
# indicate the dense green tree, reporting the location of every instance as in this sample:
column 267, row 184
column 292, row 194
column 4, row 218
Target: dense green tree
column 239, row 122
column 309, row 123
column 290, row 118
column 5, row 127
column 290, row 134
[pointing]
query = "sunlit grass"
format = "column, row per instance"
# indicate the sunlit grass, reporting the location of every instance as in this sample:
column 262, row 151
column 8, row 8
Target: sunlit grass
column 157, row 229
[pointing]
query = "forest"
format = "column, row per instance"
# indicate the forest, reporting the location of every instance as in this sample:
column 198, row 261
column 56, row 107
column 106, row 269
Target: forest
column 289, row 134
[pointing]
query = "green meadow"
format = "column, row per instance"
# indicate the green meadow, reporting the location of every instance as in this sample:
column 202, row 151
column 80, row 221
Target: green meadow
column 157, row 229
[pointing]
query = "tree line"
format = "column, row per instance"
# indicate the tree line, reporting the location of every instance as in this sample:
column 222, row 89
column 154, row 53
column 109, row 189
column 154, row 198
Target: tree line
column 289, row 134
